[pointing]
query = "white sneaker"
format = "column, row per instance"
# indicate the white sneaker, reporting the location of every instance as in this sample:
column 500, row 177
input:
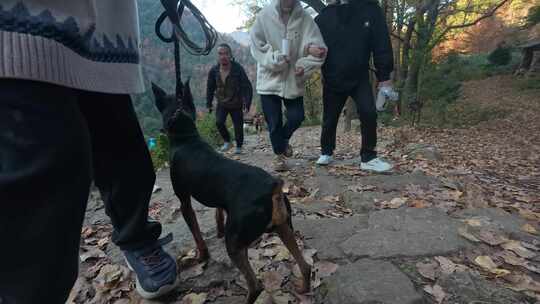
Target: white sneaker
column 324, row 160
column 377, row 165
column 226, row 146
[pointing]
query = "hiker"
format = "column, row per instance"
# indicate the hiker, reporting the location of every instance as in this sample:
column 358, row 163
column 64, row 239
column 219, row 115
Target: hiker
column 66, row 118
column 354, row 31
column 228, row 82
column 288, row 48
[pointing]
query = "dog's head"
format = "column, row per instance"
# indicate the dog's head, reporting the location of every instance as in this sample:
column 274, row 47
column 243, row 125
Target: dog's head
column 178, row 115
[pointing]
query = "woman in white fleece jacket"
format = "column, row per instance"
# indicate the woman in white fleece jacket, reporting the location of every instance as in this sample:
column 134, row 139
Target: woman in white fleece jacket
column 283, row 67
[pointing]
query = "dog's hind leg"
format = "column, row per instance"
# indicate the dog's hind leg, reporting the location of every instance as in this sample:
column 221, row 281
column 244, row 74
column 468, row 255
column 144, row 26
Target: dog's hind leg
column 239, row 257
column 286, row 235
column 191, row 220
column 220, row 223
column 281, row 220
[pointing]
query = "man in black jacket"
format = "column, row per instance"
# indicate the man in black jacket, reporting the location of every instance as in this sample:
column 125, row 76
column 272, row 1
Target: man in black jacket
column 354, row 32
column 228, row 82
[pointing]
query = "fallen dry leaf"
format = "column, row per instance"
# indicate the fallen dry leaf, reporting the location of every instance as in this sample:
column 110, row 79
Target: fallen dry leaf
column 192, row 272
column 522, row 282
column 510, row 258
column 428, row 270
column 533, row 216
column 529, row 229
column 282, row 298
column 93, row 253
column 466, row 234
column 418, row 204
column 393, row 204
column 273, row 240
column 282, row 253
column 325, row 269
column 516, row 247
column 487, row 264
column 361, row 188
column 272, row 281
column 195, row 298
column 449, row 267
column 437, row 292
column 491, row 237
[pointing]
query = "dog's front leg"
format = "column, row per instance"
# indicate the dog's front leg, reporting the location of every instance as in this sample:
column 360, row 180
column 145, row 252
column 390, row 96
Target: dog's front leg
column 220, row 222
column 191, row 220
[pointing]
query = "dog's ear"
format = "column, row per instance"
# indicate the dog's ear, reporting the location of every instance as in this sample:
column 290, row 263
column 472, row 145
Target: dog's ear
column 159, row 97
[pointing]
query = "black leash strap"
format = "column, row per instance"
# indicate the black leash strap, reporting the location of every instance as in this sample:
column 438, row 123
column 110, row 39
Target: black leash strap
column 174, row 9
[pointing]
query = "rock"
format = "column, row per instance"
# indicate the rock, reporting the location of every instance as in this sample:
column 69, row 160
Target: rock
column 423, row 151
column 405, row 233
column 363, row 202
column 327, row 184
column 464, row 287
column 313, row 207
column 368, row 281
column 498, row 219
column 326, row 234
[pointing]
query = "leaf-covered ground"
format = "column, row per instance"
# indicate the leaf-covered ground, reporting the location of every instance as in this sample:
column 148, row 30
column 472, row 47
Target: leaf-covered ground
column 457, row 221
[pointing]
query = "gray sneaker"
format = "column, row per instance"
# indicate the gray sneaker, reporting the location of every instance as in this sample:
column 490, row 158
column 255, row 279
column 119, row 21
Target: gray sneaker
column 226, row 146
column 238, row 150
column 155, row 270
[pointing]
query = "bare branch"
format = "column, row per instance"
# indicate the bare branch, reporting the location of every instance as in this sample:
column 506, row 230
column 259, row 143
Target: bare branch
column 486, row 15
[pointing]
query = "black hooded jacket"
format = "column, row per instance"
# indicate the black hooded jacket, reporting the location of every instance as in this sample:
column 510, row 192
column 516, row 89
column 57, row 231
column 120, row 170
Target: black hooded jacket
column 353, row 33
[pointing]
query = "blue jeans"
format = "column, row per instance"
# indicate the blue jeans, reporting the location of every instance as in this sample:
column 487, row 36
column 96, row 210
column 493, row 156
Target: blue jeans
column 280, row 133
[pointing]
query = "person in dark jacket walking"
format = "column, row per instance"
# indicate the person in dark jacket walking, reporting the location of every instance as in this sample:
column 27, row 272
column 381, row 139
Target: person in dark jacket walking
column 229, row 84
column 354, row 32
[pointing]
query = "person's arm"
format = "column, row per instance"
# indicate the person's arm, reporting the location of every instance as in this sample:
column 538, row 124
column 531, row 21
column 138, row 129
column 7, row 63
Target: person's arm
column 210, row 89
column 312, row 37
column 383, row 56
column 246, row 90
column 262, row 51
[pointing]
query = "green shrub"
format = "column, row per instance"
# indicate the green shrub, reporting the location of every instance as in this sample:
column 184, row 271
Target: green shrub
column 208, row 130
column 160, row 153
column 501, row 56
column 533, row 17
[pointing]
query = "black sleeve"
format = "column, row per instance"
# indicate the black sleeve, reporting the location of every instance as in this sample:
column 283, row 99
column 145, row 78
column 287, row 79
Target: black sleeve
column 246, row 88
column 383, row 56
column 210, row 87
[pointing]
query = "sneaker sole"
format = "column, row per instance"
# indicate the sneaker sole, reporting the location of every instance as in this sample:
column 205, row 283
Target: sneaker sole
column 322, row 164
column 163, row 290
column 374, row 170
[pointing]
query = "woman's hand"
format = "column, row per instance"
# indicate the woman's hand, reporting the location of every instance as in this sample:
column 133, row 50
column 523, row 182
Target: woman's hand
column 316, row 51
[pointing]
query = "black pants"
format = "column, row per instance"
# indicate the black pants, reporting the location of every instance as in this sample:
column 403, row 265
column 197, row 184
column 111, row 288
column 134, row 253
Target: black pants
column 237, row 117
column 53, row 141
column 280, row 133
column 333, row 103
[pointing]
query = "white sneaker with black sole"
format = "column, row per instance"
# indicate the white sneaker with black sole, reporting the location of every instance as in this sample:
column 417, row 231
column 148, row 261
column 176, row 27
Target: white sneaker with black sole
column 324, row 160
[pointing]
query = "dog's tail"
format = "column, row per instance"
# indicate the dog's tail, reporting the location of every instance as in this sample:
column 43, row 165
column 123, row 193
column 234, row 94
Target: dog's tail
column 281, row 207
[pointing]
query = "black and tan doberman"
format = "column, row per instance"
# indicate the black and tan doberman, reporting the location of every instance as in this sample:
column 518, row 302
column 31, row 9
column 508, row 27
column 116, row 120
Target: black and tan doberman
column 252, row 199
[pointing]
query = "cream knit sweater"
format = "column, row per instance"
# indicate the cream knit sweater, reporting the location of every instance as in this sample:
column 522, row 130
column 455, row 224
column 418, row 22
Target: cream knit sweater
column 84, row 44
column 274, row 75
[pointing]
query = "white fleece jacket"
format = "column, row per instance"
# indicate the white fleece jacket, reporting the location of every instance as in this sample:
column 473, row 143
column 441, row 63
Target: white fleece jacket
column 274, row 75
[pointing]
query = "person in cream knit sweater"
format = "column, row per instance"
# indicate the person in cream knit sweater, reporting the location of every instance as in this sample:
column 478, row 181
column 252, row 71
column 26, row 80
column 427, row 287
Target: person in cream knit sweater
column 66, row 118
column 288, row 48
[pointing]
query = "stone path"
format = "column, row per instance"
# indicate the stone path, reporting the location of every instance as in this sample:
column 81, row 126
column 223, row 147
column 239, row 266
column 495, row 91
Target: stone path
column 376, row 248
